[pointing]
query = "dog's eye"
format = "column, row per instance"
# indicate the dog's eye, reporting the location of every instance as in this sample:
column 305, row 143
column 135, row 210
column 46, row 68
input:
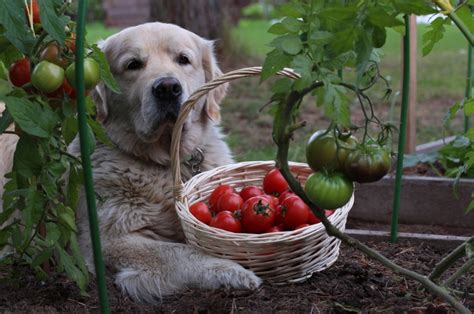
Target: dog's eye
column 183, row 59
column 134, row 65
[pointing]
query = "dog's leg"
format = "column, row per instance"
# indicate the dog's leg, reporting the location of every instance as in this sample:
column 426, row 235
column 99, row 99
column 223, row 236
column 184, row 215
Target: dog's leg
column 149, row 269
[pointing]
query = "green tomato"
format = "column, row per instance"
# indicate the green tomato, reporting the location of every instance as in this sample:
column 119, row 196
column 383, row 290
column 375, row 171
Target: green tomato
column 322, row 150
column 91, row 73
column 47, row 77
column 329, row 190
column 368, row 163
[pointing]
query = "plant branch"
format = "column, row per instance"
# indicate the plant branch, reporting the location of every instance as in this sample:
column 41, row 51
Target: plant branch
column 449, row 260
column 461, row 271
column 282, row 139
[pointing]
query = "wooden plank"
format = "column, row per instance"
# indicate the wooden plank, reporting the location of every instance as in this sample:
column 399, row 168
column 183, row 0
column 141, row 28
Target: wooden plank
column 410, row 145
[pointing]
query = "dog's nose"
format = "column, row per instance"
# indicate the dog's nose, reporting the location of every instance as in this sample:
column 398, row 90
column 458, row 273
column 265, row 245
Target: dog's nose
column 167, row 88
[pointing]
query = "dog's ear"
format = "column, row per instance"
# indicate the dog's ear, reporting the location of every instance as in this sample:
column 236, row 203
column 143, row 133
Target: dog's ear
column 211, row 70
column 98, row 94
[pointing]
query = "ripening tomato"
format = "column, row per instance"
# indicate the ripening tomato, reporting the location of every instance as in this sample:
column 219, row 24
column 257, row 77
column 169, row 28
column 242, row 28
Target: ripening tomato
column 70, row 42
column 324, row 150
column 20, row 72
column 216, row 194
column 250, row 191
column 91, row 73
column 274, row 183
column 258, row 214
column 52, row 53
column 294, row 211
column 230, row 202
column 201, row 212
column 47, row 77
column 226, row 221
column 329, row 190
column 33, row 8
column 64, row 89
column 368, row 163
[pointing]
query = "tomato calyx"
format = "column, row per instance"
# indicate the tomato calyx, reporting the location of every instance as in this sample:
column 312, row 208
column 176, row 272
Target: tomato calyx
column 261, row 209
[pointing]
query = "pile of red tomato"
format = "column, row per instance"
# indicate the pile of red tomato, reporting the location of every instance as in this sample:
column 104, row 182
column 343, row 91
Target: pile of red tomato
column 253, row 209
column 51, row 71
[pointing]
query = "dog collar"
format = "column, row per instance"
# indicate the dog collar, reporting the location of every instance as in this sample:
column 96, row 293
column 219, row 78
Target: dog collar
column 195, row 160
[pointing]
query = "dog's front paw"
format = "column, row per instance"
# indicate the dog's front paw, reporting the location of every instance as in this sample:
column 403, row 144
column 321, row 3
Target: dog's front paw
column 231, row 275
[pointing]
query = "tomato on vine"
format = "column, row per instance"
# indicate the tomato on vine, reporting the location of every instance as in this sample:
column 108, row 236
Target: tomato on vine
column 47, row 77
column 91, row 73
column 328, row 190
column 325, row 150
column 368, row 163
column 52, row 53
column 32, row 8
column 19, row 72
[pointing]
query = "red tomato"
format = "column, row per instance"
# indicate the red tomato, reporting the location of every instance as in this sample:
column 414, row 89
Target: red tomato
column 284, row 195
column 312, row 218
column 250, row 191
column 302, row 226
column 217, row 193
column 20, row 72
column 201, row 212
column 274, row 183
column 277, row 228
column 258, row 214
column 278, row 215
column 329, row 212
column 272, row 199
column 230, row 202
column 294, row 211
column 226, row 221
column 65, row 88
column 36, row 11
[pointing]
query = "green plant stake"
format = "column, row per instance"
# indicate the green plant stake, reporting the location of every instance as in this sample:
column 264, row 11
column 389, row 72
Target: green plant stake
column 468, row 93
column 86, row 160
column 403, row 125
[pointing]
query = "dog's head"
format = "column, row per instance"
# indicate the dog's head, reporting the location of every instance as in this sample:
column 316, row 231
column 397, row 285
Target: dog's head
column 157, row 67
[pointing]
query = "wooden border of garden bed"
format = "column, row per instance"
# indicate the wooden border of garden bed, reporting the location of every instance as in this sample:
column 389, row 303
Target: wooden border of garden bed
column 424, row 201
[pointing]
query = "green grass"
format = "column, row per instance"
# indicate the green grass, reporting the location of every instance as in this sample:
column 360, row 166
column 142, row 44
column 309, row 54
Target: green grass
column 97, row 31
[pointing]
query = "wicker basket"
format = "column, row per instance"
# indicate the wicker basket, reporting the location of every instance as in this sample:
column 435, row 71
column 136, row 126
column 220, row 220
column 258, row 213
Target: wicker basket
column 279, row 257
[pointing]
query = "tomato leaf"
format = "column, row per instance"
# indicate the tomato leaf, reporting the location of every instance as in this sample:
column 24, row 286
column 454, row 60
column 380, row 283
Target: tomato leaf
column 5, row 121
column 275, row 61
column 105, row 73
column 469, row 107
column 13, row 19
column 53, row 24
column 27, row 160
column 278, row 29
column 99, row 132
column 32, row 118
column 417, row 7
column 434, row 34
column 379, row 17
column 66, row 262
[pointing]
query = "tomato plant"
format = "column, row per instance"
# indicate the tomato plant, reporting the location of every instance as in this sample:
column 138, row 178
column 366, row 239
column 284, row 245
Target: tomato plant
column 52, row 53
column 258, row 214
column 274, row 183
column 328, row 190
column 20, row 72
column 225, row 220
column 368, row 163
column 201, row 212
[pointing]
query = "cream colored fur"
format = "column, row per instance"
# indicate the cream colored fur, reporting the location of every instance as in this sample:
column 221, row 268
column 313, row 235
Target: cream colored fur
column 142, row 240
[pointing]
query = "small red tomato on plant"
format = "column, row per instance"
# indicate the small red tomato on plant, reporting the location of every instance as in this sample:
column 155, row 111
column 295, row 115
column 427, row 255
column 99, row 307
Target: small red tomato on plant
column 52, row 53
column 250, row 191
column 216, row 194
column 19, row 72
column 201, row 212
column 258, row 214
column 226, row 221
column 274, row 183
column 294, row 211
column 230, row 202
column 32, row 9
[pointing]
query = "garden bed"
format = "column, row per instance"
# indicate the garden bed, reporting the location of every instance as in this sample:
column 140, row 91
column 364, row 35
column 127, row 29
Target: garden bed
column 353, row 283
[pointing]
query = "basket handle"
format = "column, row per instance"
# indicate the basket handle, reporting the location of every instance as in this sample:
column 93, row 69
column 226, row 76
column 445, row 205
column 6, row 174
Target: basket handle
column 189, row 104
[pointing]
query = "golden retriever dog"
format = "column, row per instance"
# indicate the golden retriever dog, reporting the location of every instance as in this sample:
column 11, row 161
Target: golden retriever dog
column 157, row 67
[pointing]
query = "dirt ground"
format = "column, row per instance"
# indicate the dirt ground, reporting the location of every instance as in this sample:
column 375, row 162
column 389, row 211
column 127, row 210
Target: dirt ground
column 353, row 284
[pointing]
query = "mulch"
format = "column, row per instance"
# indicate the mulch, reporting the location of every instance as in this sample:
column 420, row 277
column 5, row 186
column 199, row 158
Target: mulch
column 353, row 284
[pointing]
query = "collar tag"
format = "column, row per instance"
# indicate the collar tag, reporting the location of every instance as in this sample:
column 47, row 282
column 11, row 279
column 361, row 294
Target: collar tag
column 195, row 161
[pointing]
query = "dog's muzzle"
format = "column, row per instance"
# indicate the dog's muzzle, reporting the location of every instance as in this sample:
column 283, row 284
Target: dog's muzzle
column 167, row 92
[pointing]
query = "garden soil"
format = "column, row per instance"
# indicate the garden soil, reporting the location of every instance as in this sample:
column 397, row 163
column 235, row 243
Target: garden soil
column 354, row 283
